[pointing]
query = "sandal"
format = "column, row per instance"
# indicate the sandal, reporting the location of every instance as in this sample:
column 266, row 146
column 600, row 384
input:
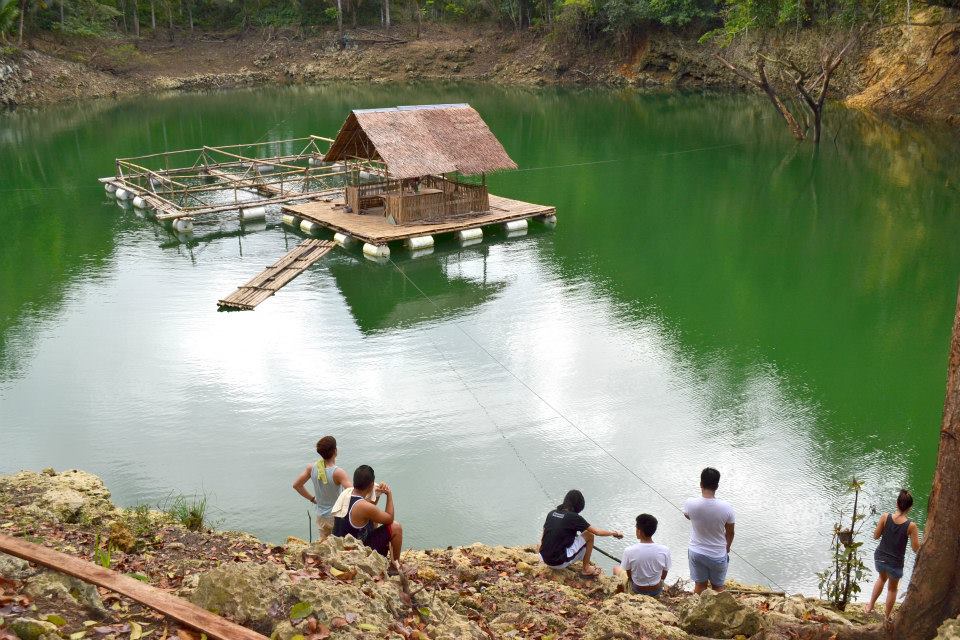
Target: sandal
column 592, row 572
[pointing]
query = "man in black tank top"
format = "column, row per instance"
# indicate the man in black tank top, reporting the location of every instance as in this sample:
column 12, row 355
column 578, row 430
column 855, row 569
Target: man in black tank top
column 893, row 531
column 363, row 517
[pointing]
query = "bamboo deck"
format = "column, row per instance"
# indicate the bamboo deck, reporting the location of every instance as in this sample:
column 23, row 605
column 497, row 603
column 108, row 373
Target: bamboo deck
column 168, row 604
column 374, row 229
column 274, row 277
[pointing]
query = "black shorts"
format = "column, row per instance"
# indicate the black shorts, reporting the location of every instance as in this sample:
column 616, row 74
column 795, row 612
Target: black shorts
column 379, row 539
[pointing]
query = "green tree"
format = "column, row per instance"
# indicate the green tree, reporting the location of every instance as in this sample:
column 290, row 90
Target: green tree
column 8, row 17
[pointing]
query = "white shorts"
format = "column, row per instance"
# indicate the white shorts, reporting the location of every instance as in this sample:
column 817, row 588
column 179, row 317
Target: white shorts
column 575, row 552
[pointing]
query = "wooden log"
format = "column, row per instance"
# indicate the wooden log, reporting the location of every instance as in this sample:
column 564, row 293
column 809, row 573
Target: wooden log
column 189, row 614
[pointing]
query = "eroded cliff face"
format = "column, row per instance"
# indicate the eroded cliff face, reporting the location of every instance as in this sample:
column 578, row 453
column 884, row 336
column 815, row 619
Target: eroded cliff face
column 915, row 70
column 904, row 69
column 336, row 588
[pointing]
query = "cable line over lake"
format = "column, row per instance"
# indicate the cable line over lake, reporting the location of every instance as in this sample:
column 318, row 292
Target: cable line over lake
column 560, row 414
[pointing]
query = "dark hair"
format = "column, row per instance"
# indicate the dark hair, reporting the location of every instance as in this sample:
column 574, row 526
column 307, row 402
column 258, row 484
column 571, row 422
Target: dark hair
column 904, row 500
column 573, row 501
column 363, row 477
column 326, row 446
column 647, row 523
column 710, row 479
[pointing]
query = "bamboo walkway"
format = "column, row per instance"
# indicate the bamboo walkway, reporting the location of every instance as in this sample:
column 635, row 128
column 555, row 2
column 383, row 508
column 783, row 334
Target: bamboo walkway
column 274, row 277
column 215, row 627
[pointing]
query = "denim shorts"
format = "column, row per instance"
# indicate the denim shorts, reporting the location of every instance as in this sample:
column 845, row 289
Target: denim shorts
column 706, row 569
column 894, row 572
column 652, row 594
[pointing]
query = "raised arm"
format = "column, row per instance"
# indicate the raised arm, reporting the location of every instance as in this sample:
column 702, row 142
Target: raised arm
column 728, row 530
column 375, row 513
column 880, row 525
column 914, row 537
column 302, row 479
column 604, row 532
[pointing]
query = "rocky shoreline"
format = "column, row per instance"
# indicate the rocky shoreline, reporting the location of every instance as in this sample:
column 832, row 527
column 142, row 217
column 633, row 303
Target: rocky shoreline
column 892, row 72
column 339, row 589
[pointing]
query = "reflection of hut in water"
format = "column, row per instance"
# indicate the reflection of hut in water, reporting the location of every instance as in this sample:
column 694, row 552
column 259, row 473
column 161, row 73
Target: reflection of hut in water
column 382, row 299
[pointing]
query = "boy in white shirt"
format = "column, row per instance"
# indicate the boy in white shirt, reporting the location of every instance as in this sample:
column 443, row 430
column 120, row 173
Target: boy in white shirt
column 711, row 534
column 645, row 563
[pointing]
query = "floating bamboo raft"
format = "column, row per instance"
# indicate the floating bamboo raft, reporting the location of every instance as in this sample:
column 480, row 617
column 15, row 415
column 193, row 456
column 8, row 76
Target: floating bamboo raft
column 377, row 230
column 277, row 275
column 215, row 627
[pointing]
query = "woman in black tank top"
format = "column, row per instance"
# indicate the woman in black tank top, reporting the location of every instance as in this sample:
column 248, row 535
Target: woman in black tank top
column 894, row 531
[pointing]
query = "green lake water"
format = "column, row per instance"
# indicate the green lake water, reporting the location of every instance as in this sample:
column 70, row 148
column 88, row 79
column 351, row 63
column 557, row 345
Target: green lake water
column 714, row 294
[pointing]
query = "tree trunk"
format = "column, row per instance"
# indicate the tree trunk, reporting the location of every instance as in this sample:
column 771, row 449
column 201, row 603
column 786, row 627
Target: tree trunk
column 386, row 13
column 170, row 19
column 416, row 5
column 934, row 592
column 136, row 19
column 340, row 43
column 23, row 11
column 190, row 14
column 153, row 17
column 61, row 13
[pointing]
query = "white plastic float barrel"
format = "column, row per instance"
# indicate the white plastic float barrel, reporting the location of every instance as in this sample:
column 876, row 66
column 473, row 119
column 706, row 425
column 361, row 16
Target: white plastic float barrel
column 343, row 239
column 183, row 225
column 253, row 213
column 418, row 243
column 366, row 175
column 515, row 225
column 139, row 202
column 110, row 188
column 376, row 250
column 265, row 168
column 309, row 227
column 290, row 219
column 549, row 220
column 470, row 235
column 123, row 194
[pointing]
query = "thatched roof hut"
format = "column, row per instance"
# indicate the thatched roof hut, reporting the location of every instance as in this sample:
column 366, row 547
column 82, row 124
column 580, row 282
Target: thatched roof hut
column 421, row 140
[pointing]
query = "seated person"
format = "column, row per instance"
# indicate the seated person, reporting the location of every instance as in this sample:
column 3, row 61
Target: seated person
column 363, row 516
column 645, row 563
column 567, row 537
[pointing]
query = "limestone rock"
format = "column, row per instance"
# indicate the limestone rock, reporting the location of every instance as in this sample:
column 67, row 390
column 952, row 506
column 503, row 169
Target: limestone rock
column 949, row 630
column 349, row 554
column 13, row 568
column 71, row 496
column 247, row 593
column 719, row 615
column 30, row 629
column 804, row 608
column 57, row 587
column 633, row 615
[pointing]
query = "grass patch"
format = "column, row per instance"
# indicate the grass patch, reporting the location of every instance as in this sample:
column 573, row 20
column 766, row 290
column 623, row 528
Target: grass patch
column 191, row 512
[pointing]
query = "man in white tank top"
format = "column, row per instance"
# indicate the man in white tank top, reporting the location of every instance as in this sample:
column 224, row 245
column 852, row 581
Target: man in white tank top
column 329, row 481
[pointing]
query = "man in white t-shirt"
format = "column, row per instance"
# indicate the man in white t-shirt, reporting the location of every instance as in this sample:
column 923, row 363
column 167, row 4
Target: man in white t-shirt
column 645, row 563
column 711, row 534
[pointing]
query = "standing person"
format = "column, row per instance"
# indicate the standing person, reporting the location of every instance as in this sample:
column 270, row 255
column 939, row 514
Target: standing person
column 645, row 563
column 368, row 523
column 567, row 537
column 328, row 481
column 711, row 534
column 892, row 531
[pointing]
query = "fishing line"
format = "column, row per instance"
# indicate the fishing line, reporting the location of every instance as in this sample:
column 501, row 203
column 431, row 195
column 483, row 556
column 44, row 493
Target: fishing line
column 499, row 429
column 568, row 420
